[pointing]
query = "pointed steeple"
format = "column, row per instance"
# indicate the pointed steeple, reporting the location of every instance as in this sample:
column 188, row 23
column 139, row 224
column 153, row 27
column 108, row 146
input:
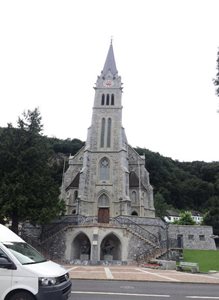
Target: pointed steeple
column 110, row 64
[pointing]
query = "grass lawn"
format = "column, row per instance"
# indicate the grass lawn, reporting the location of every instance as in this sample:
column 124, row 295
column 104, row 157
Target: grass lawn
column 207, row 259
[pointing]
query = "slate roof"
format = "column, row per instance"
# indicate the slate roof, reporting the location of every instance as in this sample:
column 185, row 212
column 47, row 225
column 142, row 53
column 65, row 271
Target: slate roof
column 74, row 183
column 110, row 63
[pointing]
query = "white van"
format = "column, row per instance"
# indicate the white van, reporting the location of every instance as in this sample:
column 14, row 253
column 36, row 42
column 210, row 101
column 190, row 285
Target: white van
column 26, row 275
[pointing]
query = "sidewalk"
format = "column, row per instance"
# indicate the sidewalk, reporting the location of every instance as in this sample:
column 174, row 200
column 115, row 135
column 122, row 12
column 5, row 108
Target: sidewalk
column 138, row 274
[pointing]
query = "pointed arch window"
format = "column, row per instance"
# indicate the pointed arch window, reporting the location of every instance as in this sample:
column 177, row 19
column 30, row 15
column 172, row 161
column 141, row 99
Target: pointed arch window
column 104, row 169
column 103, row 201
column 102, row 133
column 109, row 124
column 103, row 99
column 134, row 196
column 107, row 99
column 112, row 99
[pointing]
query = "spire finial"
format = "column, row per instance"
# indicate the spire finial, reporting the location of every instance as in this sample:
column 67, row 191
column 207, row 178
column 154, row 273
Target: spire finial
column 111, row 40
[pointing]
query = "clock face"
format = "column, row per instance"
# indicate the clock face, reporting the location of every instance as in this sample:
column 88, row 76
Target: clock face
column 108, row 83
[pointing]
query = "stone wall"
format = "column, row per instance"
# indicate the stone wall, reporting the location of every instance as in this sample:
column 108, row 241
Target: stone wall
column 193, row 236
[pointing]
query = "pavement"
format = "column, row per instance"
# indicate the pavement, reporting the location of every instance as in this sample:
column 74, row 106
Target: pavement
column 136, row 273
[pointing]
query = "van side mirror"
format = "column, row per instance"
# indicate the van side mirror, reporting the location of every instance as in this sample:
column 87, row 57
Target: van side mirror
column 5, row 263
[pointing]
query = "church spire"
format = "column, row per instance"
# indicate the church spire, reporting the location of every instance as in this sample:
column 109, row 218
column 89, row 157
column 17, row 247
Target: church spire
column 110, row 64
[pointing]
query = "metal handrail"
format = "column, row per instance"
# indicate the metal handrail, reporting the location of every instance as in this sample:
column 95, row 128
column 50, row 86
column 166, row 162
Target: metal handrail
column 138, row 228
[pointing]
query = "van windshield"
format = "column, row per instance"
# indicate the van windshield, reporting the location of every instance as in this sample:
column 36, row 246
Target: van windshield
column 24, row 253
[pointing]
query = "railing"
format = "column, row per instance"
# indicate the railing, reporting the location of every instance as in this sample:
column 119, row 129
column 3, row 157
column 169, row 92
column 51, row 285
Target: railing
column 123, row 220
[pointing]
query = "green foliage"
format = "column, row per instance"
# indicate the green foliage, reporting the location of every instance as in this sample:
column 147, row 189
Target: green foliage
column 212, row 216
column 27, row 187
column 161, row 207
column 67, row 146
column 207, row 259
column 183, row 185
column 185, row 218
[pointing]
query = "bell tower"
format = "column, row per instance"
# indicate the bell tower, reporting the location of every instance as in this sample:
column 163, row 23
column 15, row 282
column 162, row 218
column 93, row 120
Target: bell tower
column 107, row 180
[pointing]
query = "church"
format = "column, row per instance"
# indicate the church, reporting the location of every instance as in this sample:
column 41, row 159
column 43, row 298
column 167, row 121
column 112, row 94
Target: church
column 110, row 215
column 107, row 177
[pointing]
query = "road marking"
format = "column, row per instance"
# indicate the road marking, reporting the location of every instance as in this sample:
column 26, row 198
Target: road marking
column 109, row 275
column 202, row 297
column 161, row 276
column 73, row 268
column 120, row 294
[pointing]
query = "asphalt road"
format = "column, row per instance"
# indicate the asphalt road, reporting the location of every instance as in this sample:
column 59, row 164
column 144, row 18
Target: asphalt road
column 132, row 290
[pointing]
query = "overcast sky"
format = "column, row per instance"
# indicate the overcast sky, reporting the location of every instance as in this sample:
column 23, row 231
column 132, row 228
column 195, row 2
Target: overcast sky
column 51, row 53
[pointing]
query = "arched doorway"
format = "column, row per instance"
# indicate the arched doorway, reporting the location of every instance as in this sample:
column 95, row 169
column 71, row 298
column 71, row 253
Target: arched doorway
column 110, row 248
column 81, row 247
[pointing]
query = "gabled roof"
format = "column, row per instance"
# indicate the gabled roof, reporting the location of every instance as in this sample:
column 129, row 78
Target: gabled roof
column 110, row 64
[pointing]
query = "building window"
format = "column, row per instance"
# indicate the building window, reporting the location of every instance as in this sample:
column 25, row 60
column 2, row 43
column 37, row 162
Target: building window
column 109, row 132
column 112, row 99
column 107, row 99
column 201, row 237
column 104, row 169
column 191, row 237
column 75, row 196
column 103, row 99
column 134, row 196
column 103, row 201
column 102, row 132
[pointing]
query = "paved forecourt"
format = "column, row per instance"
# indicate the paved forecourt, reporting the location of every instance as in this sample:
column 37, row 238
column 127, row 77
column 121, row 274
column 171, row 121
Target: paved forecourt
column 138, row 273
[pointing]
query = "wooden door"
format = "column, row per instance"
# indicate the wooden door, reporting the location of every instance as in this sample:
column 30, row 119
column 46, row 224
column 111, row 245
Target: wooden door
column 103, row 215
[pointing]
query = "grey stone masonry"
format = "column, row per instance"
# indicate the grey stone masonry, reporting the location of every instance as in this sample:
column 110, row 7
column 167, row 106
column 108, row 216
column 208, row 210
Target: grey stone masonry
column 192, row 237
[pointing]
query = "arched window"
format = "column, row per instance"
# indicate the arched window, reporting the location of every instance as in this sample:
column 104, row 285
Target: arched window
column 104, row 169
column 112, row 99
column 103, row 99
column 103, row 201
column 102, row 132
column 134, row 213
column 109, row 132
column 134, row 196
column 107, row 99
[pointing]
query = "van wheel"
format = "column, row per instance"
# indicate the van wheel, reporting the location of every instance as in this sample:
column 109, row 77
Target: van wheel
column 21, row 296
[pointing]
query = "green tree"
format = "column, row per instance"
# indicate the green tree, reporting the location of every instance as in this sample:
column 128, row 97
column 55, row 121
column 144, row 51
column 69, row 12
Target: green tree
column 212, row 216
column 160, row 205
column 185, row 218
column 27, row 188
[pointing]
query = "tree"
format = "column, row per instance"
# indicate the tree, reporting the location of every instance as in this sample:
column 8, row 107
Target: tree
column 160, row 205
column 27, row 188
column 212, row 216
column 216, row 80
column 185, row 218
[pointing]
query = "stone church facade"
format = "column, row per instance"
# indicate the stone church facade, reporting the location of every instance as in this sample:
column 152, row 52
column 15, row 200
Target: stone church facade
column 110, row 215
column 107, row 177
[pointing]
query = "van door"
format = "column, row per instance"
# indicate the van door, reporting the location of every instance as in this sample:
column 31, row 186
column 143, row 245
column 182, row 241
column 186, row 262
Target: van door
column 5, row 274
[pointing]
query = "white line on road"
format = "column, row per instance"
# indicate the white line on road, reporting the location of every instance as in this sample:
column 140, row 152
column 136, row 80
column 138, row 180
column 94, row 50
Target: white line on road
column 109, row 275
column 201, row 297
column 154, row 274
column 120, row 294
